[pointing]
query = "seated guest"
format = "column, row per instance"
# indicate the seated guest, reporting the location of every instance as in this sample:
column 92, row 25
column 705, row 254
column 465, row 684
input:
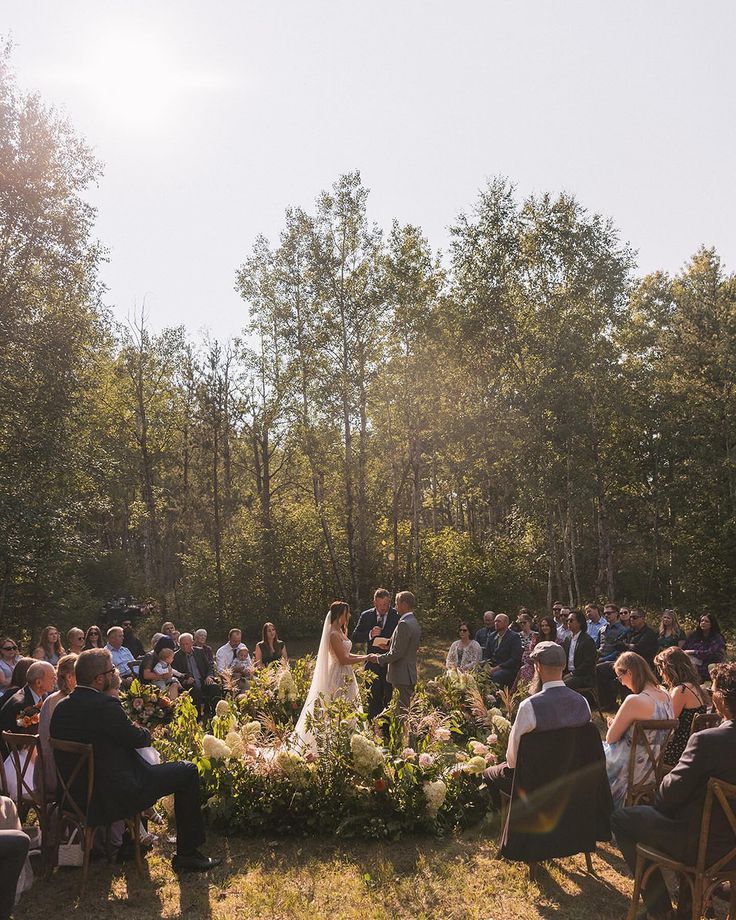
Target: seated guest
column 580, row 653
column 555, row 706
column 228, row 653
column 121, row 656
column 641, row 639
column 624, row 615
column 198, row 676
column 503, row 652
column 130, row 640
column 40, row 680
column 124, row 783
column 688, row 699
column 481, row 636
column 9, row 658
column 75, row 640
column 270, row 648
column 706, row 645
column 242, row 669
column 93, row 638
column 49, row 646
column 146, row 674
column 646, row 701
column 166, row 677
column 562, row 618
column 14, row 845
column 66, row 681
column 200, row 641
column 672, row 824
column 670, row 632
column 595, row 623
column 168, row 629
column 529, row 639
column 547, row 629
column 464, row 653
column 17, row 680
column 611, row 639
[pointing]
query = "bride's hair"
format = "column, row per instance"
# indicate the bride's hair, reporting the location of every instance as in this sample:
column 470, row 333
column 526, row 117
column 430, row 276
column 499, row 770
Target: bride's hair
column 337, row 608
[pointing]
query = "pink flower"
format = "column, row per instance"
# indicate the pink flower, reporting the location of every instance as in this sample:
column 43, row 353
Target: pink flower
column 492, row 739
column 138, row 703
column 426, row 760
column 408, row 754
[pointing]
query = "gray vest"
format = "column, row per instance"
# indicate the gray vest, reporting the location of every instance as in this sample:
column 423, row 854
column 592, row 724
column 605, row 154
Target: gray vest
column 559, row 707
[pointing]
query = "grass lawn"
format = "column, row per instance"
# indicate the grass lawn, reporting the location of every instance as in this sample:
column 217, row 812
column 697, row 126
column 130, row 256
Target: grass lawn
column 459, row 877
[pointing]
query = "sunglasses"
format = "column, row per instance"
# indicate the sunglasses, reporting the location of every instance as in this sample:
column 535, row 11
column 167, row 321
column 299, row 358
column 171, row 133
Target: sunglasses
column 634, row 616
column 463, row 630
column 10, row 648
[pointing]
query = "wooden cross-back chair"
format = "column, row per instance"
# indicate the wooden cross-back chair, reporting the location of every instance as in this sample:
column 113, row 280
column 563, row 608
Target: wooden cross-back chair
column 705, row 720
column 702, row 878
column 643, row 789
column 75, row 813
column 30, row 793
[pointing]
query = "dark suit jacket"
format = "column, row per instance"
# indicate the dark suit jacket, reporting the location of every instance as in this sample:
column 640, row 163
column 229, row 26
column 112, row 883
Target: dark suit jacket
column 19, row 701
column 89, row 717
column 644, row 643
column 709, row 753
column 366, row 621
column 504, row 652
column 585, row 656
column 180, row 663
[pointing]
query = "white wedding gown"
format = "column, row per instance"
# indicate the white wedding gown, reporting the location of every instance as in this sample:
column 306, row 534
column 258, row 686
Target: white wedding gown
column 331, row 680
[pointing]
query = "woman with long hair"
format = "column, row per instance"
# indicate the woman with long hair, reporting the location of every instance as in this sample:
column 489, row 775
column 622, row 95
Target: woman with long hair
column 49, row 646
column 706, row 644
column 93, row 638
column 670, row 632
column 529, row 639
column 681, row 679
column 333, row 672
column 548, row 630
column 646, row 701
column 270, row 648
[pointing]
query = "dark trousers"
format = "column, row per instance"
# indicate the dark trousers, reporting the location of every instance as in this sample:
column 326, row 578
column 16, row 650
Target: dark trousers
column 578, row 682
column 499, row 778
column 644, row 824
column 609, row 687
column 503, row 677
column 406, row 691
column 13, row 851
column 380, row 693
column 181, row 779
column 205, row 698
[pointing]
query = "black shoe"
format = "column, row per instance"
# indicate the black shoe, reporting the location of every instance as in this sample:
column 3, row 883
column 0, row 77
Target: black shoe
column 126, row 852
column 194, row 862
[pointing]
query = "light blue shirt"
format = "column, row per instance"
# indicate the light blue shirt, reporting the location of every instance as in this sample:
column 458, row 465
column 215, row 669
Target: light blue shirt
column 595, row 628
column 120, row 658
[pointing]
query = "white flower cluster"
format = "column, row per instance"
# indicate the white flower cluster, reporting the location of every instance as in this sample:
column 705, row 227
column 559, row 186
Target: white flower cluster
column 475, row 765
column 222, row 709
column 501, row 724
column 367, row 756
column 286, row 690
column 250, row 730
column 442, row 733
column 478, row 748
column 292, row 766
column 235, row 742
column 463, row 680
column 214, row 748
column 435, row 793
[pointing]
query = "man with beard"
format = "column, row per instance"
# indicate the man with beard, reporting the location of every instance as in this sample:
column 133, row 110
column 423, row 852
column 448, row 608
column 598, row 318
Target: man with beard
column 124, row 783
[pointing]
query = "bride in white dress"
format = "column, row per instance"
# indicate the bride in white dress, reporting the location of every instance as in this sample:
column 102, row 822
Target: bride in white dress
column 334, row 677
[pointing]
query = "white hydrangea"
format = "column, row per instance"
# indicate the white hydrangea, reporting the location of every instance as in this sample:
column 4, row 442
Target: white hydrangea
column 475, row 765
column 292, row 766
column 500, row 724
column 214, row 748
column 442, row 733
column 222, row 709
column 367, row 756
column 435, row 793
column 250, row 730
column 286, row 690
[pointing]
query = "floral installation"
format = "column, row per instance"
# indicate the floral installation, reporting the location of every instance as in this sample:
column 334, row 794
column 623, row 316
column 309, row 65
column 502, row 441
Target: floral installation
column 146, row 705
column 28, row 718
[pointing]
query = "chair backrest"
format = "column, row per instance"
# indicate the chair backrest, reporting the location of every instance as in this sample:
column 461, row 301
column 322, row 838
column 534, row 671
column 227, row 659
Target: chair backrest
column 556, row 772
column 646, row 783
column 721, row 796
column 80, row 760
column 705, row 720
column 25, row 756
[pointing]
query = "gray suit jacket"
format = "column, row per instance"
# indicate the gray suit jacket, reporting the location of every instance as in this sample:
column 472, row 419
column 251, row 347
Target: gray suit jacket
column 401, row 656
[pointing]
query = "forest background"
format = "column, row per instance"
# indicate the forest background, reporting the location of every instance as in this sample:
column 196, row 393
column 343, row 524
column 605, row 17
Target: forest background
column 519, row 419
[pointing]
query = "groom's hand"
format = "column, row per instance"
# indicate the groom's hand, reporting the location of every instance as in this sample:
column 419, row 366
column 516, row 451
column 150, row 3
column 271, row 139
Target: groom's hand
column 373, row 659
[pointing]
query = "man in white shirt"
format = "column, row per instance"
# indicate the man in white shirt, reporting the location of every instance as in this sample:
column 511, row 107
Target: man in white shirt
column 555, row 706
column 227, row 654
column 121, row 656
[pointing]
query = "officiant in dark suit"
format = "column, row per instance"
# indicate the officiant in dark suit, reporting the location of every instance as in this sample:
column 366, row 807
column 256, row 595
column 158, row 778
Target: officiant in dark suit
column 503, row 652
column 379, row 621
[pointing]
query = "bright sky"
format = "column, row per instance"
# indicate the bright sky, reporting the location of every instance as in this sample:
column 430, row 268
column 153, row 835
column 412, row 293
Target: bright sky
column 212, row 118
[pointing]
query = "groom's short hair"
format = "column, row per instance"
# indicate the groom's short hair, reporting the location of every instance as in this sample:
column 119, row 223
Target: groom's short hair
column 381, row 592
column 407, row 598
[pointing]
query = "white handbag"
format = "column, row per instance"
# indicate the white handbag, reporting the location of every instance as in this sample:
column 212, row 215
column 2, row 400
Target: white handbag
column 71, row 853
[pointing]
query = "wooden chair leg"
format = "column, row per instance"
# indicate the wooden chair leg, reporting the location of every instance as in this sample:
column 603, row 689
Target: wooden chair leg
column 108, row 842
column 637, row 888
column 137, row 842
column 532, row 872
column 89, row 836
column 697, row 891
column 589, row 863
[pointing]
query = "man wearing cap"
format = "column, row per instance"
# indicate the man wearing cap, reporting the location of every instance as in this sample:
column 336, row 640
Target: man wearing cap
column 555, row 706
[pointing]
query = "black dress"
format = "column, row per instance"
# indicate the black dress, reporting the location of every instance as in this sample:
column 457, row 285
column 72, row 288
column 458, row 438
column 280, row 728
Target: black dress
column 268, row 656
column 682, row 733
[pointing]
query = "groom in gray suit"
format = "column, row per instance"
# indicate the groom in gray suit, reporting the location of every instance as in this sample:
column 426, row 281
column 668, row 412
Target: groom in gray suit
column 401, row 656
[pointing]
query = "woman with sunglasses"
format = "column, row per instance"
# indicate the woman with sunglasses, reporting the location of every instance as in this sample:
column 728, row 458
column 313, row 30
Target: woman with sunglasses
column 93, row 638
column 465, row 653
column 9, row 658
